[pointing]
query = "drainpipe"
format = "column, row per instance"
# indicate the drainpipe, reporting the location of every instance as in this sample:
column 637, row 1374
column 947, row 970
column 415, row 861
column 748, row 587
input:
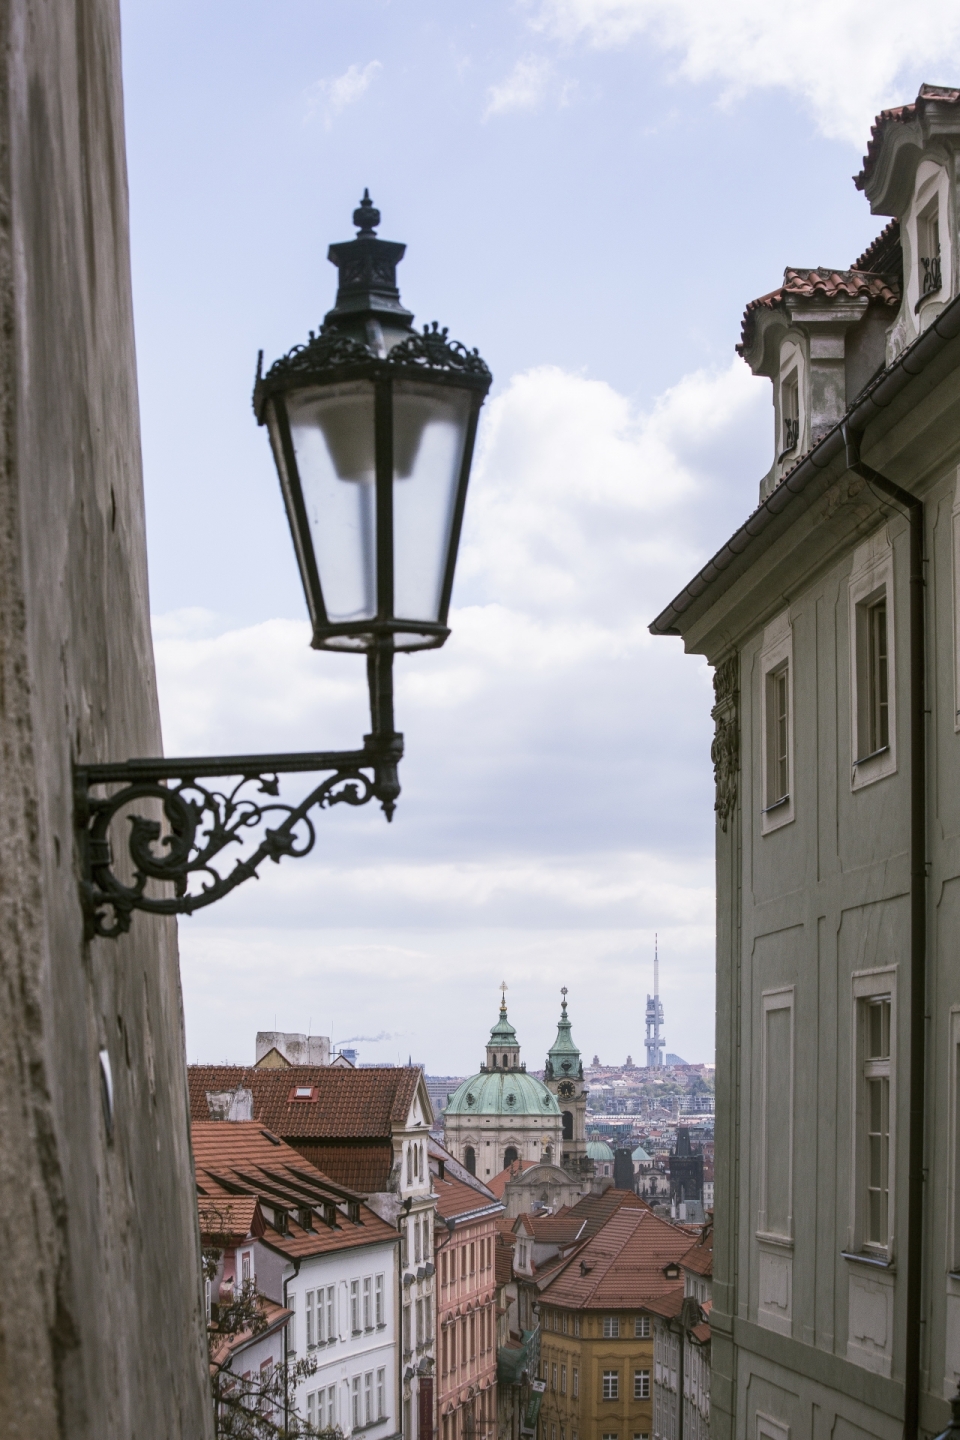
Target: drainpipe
column 918, row 932
column 286, row 1347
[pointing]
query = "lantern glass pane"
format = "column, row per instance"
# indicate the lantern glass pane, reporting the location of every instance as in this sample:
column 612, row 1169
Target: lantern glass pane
column 332, row 429
column 429, row 430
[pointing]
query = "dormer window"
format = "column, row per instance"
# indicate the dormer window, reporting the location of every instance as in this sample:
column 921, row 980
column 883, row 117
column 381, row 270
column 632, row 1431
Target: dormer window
column 790, row 412
column 928, row 248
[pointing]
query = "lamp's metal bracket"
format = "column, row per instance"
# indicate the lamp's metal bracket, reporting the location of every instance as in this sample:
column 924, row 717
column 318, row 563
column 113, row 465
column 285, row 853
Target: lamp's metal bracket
column 201, row 822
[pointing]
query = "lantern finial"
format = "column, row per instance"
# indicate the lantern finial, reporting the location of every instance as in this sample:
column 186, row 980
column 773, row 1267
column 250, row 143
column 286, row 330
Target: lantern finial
column 366, row 217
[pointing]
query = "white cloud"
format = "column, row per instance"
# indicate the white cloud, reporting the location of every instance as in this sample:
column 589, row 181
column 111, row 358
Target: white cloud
column 844, row 58
column 334, row 94
column 525, row 88
column 557, row 775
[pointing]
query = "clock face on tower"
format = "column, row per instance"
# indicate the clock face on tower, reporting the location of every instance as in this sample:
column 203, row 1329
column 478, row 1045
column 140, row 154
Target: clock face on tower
column 566, row 1089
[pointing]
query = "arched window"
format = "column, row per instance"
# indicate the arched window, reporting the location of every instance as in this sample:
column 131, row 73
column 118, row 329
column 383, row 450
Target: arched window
column 494, row 1062
column 505, row 1058
column 470, row 1159
column 409, row 1165
column 568, row 1125
column 509, row 1155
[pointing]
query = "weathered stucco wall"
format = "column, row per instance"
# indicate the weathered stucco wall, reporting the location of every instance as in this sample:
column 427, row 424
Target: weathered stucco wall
column 100, row 1317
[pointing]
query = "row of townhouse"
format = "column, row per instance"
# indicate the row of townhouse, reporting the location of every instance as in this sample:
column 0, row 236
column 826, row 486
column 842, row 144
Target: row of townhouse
column 581, row 1293
column 366, row 1131
column 681, row 1349
column 393, row 1347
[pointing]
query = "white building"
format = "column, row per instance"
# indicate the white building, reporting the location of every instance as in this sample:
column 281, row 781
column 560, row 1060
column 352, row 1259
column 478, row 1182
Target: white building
column 681, row 1350
column 314, row 1249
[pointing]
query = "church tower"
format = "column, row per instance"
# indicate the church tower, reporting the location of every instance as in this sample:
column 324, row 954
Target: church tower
column 563, row 1077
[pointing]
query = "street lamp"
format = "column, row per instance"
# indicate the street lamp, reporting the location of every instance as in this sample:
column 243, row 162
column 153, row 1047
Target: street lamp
column 372, row 426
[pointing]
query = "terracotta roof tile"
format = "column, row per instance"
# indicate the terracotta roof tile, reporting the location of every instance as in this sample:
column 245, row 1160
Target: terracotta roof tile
column 821, row 283
column 622, row 1265
column 701, row 1333
column 348, row 1104
column 234, row 1159
column 503, row 1265
column 229, row 1219
column 699, row 1258
column 885, row 255
column 898, row 114
column 362, row 1167
column 274, row 1316
column 499, row 1182
column 455, row 1198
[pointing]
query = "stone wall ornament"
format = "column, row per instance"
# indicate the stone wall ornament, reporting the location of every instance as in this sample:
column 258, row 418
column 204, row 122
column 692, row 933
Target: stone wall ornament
column 725, row 750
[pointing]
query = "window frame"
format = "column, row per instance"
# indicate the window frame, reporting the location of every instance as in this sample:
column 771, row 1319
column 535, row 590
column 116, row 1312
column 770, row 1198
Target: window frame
column 871, row 581
column 610, row 1385
column 869, row 986
column 641, row 1385
column 772, row 1000
column 776, row 659
column 792, row 379
column 611, row 1327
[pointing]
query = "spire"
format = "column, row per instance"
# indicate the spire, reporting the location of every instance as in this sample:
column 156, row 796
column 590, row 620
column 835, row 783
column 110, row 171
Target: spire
column 503, row 1047
column 563, row 1057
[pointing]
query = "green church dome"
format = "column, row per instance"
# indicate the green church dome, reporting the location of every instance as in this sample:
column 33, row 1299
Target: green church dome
column 640, row 1155
column 599, row 1150
column 502, row 1092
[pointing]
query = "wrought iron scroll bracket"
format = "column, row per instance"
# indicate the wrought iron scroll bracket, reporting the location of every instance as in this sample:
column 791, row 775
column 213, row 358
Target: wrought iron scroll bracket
column 200, row 823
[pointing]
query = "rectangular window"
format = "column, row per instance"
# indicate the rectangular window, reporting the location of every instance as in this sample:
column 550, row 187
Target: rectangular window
column 355, row 1306
column 873, row 690
column 419, row 1322
column 367, row 1303
column 368, row 1398
column 312, row 1417
column 563, row 1379
column 246, row 1267
column 611, row 1384
column 378, row 1301
column 381, row 1394
column 463, row 1263
column 641, row 1384
column 331, row 1312
column 472, row 1258
column 778, row 736
column 876, row 1120
column 329, row 1418
column 576, row 1382
column 576, row 1324
column 790, row 412
column 473, row 1337
column 406, row 1330
column 928, row 247
column 443, row 1269
column 310, row 1322
column 563, row 1321
column 355, row 1402
column 641, row 1327
column 611, row 1327
column 427, row 1319
column 878, row 705
column 776, row 1180
column 553, row 1377
column 417, row 1255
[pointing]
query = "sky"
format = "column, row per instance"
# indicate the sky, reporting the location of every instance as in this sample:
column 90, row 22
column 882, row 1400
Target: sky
column 590, row 191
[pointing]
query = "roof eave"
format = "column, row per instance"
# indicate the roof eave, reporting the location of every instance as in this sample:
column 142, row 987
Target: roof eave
column 909, row 364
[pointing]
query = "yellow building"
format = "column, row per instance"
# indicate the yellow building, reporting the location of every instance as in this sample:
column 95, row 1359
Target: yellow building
column 596, row 1327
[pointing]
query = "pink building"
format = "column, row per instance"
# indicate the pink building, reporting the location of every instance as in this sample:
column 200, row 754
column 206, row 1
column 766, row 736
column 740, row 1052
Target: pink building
column 465, row 1238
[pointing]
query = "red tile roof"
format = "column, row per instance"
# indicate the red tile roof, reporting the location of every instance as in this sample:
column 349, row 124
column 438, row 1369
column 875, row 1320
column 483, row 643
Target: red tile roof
column 699, row 1258
column 503, row 1264
column 455, row 1198
column 884, row 255
column 349, row 1104
column 622, row 1266
column 560, row 1229
column 499, row 1182
column 819, row 284
column 897, row 115
column 274, row 1316
column 363, row 1167
column 237, row 1159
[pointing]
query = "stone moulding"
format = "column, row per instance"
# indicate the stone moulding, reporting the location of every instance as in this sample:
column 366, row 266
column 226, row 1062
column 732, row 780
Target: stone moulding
column 725, row 750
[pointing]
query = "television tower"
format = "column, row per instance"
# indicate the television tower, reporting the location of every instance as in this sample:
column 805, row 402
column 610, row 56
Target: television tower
column 655, row 1041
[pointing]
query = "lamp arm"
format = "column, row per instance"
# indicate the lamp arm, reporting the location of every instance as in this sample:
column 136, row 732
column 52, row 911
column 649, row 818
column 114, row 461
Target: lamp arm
column 202, row 822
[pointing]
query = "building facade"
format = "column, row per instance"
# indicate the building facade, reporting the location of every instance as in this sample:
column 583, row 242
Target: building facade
column 681, row 1350
column 502, row 1114
column 465, row 1260
column 322, row 1260
column 832, row 619
column 369, row 1131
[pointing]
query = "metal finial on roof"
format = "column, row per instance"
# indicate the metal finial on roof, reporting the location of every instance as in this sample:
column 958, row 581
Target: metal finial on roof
column 366, row 217
column 563, row 1002
column 504, row 987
